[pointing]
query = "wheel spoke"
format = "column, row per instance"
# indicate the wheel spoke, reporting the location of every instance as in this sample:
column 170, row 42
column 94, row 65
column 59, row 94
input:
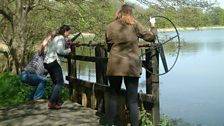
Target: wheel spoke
column 163, row 58
column 170, row 39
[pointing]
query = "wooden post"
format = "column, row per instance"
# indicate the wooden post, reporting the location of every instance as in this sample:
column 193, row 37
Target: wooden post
column 148, row 65
column 100, row 65
column 148, row 71
column 152, row 83
column 72, row 72
column 100, row 74
column 155, row 88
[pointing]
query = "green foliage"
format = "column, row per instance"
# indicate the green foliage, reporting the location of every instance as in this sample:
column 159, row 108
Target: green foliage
column 216, row 16
column 13, row 91
column 185, row 16
column 164, row 121
column 145, row 118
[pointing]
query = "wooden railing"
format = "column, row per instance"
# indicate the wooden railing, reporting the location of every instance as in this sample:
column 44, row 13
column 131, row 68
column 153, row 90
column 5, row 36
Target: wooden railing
column 94, row 94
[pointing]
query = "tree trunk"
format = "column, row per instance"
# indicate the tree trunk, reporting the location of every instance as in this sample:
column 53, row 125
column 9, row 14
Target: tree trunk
column 19, row 27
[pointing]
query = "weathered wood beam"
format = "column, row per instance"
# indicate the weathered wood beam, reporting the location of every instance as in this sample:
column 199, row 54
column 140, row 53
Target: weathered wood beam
column 102, row 87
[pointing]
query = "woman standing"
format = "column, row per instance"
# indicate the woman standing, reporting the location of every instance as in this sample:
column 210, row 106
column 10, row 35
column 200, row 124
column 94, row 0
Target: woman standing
column 52, row 64
column 124, row 62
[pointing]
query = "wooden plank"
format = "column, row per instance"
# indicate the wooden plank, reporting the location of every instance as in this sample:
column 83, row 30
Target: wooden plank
column 88, row 84
column 88, row 58
column 104, row 88
column 103, row 45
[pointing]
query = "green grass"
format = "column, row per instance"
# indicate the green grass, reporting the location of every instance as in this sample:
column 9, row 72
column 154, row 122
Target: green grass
column 13, row 91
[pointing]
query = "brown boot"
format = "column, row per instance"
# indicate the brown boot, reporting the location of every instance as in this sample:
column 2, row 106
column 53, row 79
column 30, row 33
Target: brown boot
column 52, row 105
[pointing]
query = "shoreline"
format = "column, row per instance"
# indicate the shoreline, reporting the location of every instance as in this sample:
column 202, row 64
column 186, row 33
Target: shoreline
column 190, row 28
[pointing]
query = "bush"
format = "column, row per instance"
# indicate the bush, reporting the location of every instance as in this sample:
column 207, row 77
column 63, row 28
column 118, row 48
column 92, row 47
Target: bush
column 145, row 119
column 13, row 91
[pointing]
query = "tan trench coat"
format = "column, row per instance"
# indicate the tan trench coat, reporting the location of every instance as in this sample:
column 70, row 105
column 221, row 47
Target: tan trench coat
column 122, row 40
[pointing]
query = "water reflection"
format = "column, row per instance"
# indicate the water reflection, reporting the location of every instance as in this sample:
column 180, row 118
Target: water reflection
column 215, row 46
column 205, row 40
column 190, row 48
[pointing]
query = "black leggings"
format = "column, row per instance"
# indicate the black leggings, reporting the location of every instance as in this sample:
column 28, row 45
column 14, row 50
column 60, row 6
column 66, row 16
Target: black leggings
column 131, row 84
column 55, row 72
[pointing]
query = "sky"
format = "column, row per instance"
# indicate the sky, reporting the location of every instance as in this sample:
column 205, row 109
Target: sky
column 221, row 2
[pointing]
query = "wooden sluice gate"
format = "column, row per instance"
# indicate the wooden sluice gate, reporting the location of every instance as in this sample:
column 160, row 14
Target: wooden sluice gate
column 95, row 94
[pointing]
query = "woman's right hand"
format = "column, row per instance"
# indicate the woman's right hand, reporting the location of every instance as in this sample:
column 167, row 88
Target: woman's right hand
column 69, row 50
column 152, row 21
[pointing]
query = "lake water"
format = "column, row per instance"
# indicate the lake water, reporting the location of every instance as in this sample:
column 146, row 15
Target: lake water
column 193, row 90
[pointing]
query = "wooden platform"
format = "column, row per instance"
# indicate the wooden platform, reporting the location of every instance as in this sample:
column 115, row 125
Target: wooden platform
column 71, row 114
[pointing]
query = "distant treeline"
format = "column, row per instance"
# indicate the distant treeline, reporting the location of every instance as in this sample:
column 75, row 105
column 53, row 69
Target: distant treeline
column 187, row 16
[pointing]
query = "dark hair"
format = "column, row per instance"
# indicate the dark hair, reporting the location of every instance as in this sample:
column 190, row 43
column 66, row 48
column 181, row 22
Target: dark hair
column 63, row 29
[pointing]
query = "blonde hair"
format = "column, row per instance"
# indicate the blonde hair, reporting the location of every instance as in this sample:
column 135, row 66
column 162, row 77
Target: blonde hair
column 46, row 40
column 125, row 14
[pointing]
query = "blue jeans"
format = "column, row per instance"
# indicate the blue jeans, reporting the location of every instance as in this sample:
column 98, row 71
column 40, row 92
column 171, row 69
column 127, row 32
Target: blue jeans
column 34, row 80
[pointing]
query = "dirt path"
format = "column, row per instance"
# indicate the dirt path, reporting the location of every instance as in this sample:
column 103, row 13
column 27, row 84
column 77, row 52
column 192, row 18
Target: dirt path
column 71, row 114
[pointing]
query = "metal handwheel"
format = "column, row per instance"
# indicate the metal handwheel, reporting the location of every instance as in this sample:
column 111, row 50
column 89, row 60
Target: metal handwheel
column 167, row 44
